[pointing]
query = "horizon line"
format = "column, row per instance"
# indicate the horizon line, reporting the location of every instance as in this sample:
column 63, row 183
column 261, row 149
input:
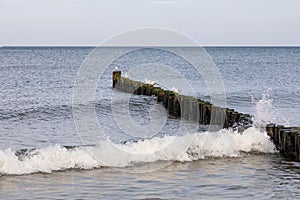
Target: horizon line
column 93, row 46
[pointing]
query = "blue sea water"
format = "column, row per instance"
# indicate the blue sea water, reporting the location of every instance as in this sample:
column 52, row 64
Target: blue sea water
column 36, row 112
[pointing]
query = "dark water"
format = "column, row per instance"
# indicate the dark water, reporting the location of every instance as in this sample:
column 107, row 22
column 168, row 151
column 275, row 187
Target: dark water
column 36, row 112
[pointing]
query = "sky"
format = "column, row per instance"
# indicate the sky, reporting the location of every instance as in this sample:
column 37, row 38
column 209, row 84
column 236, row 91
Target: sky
column 209, row 22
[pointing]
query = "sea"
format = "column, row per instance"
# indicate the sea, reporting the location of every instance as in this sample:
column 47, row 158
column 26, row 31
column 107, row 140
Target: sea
column 138, row 151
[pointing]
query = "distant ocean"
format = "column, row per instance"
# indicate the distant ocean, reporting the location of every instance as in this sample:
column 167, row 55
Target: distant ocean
column 42, row 156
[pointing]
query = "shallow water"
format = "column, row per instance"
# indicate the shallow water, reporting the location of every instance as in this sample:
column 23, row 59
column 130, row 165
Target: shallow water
column 249, row 177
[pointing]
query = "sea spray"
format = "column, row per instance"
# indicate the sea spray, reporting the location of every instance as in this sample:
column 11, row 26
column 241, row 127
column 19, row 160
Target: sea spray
column 265, row 112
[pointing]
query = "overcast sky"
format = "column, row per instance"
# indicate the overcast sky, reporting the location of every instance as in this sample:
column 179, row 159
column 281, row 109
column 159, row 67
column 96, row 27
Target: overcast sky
column 210, row 22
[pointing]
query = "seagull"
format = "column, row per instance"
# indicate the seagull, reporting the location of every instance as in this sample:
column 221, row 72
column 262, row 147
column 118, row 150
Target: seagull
column 174, row 89
column 147, row 81
column 150, row 82
column 116, row 68
column 153, row 82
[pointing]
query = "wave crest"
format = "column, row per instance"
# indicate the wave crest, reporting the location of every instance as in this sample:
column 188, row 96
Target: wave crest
column 224, row 143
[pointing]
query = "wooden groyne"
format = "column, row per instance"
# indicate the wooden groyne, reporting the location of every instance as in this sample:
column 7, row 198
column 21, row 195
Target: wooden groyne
column 186, row 107
column 286, row 140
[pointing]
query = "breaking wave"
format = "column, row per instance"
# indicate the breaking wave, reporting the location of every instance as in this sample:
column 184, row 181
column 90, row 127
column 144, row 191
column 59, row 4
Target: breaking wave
column 190, row 147
column 224, row 143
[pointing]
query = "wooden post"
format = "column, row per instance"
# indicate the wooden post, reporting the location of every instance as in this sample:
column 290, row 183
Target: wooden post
column 200, row 104
column 160, row 96
column 297, row 148
column 228, row 117
column 177, row 111
column 295, row 135
column 155, row 91
column 270, row 128
column 166, row 98
column 194, row 110
column 276, row 135
column 149, row 89
column 185, row 107
column 171, row 98
column 116, row 77
column 288, row 142
column 282, row 141
column 206, row 113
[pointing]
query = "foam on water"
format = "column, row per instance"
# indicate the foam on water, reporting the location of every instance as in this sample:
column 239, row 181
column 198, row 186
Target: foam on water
column 46, row 160
column 223, row 143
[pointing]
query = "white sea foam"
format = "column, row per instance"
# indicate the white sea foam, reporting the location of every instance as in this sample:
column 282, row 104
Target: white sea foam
column 46, row 160
column 224, row 143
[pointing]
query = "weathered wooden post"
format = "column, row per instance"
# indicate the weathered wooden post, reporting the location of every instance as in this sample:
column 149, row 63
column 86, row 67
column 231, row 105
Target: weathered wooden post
column 270, row 129
column 206, row 113
column 297, row 148
column 242, row 118
column 217, row 117
column 282, row 141
column 223, row 117
column 166, row 98
column 143, row 89
column 171, row 99
column 276, row 135
column 148, row 90
column 116, row 77
column 234, row 117
column 226, row 123
column 194, row 116
column 155, row 91
column 177, row 110
column 238, row 117
column 214, row 113
column 200, row 107
column 138, row 90
column 184, row 107
column 229, row 114
column 160, row 96
column 288, row 142
column 295, row 135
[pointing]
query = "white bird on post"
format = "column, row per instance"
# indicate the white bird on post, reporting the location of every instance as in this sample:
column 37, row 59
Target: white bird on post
column 150, row 82
column 174, row 89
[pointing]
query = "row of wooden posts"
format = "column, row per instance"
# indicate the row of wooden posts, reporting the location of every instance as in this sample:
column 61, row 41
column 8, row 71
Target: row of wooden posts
column 286, row 139
column 186, row 107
